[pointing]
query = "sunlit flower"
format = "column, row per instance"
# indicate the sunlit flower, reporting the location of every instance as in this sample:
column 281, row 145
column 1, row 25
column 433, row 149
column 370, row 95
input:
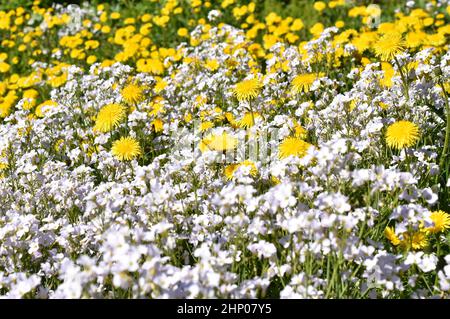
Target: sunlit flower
column 44, row 107
column 132, row 93
column 247, row 89
column 391, row 236
column 293, row 146
column 416, row 240
column 218, row 142
column 402, row 134
column 230, row 169
column 303, row 82
column 389, row 45
column 248, row 120
column 126, row 148
column 109, row 117
column 441, row 221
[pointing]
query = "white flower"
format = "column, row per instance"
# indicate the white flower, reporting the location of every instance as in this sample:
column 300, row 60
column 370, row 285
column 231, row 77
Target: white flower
column 263, row 249
column 429, row 195
column 428, row 263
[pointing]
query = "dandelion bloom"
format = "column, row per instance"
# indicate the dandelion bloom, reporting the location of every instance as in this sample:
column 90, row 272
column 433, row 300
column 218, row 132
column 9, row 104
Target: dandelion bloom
column 231, row 169
column 319, row 6
column 204, row 126
column 44, row 107
column 416, row 240
column 212, row 64
column 293, row 146
column 158, row 125
column 441, row 221
column 126, row 148
column 402, row 134
column 247, row 90
column 303, row 82
column 389, row 45
column 132, row 93
column 248, row 119
column 109, row 117
column 391, row 236
column 152, row 66
column 4, row 67
column 159, row 86
column 218, row 142
column 300, row 131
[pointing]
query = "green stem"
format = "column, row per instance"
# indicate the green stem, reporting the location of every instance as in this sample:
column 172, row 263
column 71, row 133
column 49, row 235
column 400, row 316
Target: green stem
column 443, row 162
column 404, row 80
column 251, row 111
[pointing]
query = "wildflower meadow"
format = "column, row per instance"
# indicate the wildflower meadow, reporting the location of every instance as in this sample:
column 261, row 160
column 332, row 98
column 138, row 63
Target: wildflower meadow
column 225, row 149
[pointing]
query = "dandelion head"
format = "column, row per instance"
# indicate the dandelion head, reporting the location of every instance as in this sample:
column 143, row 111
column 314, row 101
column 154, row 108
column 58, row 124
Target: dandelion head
column 248, row 120
column 303, row 82
column 293, row 146
column 416, row 240
column 389, row 233
column 44, row 107
column 132, row 93
column 441, row 221
column 247, row 90
column 389, row 45
column 218, row 142
column 402, row 134
column 109, row 117
column 126, row 148
column 232, row 168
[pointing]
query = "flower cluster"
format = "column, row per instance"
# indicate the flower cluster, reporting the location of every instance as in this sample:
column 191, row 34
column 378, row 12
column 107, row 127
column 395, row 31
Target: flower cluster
column 241, row 155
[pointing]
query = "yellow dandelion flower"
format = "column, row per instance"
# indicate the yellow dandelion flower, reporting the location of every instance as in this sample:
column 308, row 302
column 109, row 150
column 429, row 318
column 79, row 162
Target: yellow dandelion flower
column 389, row 45
column 231, row 119
column 157, row 107
column 3, row 167
column 218, row 142
column 391, row 236
column 300, row 131
column 248, row 89
column 275, row 180
column 417, row 240
column 152, row 66
column 303, row 82
column 158, row 125
column 200, row 100
column 159, row 86
column 319, row 6
column 44, row 107
column 4, row 67
column 293, row 146
column 402, row 134
column 383, row 105
column 204, row 126
column 389, row 72
column 230, row 169
column 415, row 39
column 57, row 81
column 188, row 117
column 248, row 119
column 109, row 117
column 126, row 148
column 132, row 93
column 212, row 64
column 441, row 222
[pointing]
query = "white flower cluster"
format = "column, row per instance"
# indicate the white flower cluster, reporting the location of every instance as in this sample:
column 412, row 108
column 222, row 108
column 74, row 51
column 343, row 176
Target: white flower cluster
column 77, row 222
